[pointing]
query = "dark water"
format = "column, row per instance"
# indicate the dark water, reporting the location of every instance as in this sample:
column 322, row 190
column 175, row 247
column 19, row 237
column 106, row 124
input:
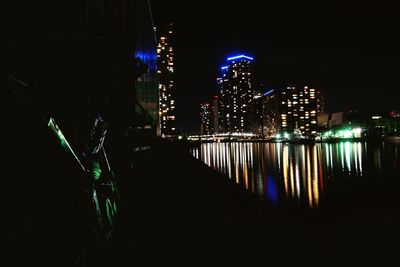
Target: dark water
column 303, row 174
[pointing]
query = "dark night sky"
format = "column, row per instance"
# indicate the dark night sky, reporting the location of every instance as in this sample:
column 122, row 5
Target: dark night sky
column 350, row 51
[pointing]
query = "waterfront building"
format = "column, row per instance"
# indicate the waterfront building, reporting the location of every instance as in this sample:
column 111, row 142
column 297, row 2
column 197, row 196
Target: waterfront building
column 215, row 114
column 236, row 94
column 256, row 115
column 292, row 109
column 166, row 86
column 271, row 115
column 206, row 114
column 372, row 125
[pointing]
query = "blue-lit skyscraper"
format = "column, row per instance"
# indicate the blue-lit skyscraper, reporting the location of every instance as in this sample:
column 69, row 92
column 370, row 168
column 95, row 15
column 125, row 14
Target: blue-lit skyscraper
column 236, row 94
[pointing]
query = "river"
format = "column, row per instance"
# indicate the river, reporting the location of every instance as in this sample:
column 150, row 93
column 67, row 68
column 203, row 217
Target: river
column 302, row 174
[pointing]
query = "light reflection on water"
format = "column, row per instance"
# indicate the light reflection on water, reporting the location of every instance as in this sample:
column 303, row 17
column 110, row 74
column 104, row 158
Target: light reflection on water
column 293, row 172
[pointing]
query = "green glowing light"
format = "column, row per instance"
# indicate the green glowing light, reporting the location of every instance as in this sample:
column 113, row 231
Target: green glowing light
column 347, row 133
column 110, row 211
column 63, row 141
column 96, row 170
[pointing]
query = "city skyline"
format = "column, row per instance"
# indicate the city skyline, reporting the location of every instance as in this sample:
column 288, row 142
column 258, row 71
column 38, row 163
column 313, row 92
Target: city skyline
column 345, row 50
column 171, row 132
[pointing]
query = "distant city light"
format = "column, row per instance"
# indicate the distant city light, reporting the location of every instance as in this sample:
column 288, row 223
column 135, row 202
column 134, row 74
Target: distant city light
column 224, row 67
column 344, row 133
column 239, row 56
column 286, row 135
column 328, row 134
column 357, row 132
column 347, row 134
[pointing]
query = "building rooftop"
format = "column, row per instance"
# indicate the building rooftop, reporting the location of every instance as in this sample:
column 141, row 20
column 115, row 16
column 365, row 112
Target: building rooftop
column 238, row 57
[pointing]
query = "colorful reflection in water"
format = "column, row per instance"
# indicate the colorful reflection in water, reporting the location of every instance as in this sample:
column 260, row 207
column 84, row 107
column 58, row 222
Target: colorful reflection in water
column 288, row 172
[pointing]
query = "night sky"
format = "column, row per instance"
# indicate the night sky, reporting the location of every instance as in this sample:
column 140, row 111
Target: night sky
column 350, row 51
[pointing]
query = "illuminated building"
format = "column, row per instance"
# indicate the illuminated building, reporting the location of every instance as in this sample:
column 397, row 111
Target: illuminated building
column 206, row 114
column 271, row 117
column 165, row 54
column 209, row 117
column 320, row 102
column 292, row 109
column 224, row 98
column 236, row 94
column 256, row 121
column 215, row 114
column 373, row 125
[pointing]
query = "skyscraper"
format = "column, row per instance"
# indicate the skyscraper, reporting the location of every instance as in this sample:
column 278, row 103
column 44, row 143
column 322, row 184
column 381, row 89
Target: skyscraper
column 256, row 118
column 215, row 114
column 271, row 116
column 206, row 115
column 165, row 57
column 209, row 114
column 223, row 112
column 236, row 94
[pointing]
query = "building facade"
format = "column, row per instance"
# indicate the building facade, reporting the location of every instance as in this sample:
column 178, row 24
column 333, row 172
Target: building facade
column 236, row 95
column 224, row 99
column 206, row 114
column 292, row 110
column 165, row 60
column 373, row 125
column 256, row 115
column 271, row 115
column 215, row 114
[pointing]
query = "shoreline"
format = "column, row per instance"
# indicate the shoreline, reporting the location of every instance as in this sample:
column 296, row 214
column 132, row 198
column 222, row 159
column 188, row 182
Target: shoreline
column 385, row 139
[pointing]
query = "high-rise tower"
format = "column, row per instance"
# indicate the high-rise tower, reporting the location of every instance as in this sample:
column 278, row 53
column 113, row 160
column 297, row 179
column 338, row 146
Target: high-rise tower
column 236, row 94
column 165, row 57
